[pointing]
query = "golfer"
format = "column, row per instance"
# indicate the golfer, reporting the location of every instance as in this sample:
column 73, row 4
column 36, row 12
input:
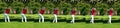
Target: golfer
column 41, row 12
column 55, row 15
column 110, row 14
column 7, row 11
column 73, row 12
column 93, row 11
column 24, row 11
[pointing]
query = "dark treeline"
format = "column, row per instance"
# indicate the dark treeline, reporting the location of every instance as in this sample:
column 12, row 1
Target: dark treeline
column 65, row 6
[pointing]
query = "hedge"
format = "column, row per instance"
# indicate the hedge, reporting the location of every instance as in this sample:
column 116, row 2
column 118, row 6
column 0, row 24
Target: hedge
column 67, row 17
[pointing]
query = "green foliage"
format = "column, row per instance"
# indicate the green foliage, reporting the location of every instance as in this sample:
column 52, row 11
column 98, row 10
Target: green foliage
column 17, row 6
column 49, row 5
column 64, row 4
column 3, row 4
column 67, row 17
column 66, row 7
column 84, row 8
column 1, row 10
column 102, row 7
column 2, row 7
column 116, row 7
column 34, row 6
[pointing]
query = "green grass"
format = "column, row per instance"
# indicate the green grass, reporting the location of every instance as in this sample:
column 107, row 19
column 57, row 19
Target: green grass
column 56, row 25
column 31, row 24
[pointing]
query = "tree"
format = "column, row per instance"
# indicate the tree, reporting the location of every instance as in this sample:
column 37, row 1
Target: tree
column 102, row 8
column 116, row 7
column 56, row 2
column 8, row 2
column 42, row 2
column 84, row 8
column 49, row 6
column 34, row 7
column 66, row 7
column 17, row 7
column 73, row 2
column 25, row 2
column 2, row 7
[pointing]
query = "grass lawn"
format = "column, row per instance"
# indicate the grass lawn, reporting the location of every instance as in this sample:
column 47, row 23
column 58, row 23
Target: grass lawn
column 31, row 24
column 56, row 25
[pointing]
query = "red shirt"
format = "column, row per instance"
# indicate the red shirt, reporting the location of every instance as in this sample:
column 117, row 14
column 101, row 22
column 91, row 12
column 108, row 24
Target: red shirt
column 110, row 12
column 41, row 11
column 93, row 12
column 24, row 11
column 56, row 11
column 73, row 12
column 7, row 11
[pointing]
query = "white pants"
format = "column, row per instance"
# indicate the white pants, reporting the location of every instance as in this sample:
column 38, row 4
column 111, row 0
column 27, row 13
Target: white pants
column 55, row 18
column 73, row 19
column 7, row 19
column 24, row 19
column 41, row 17
column 92, row 20
column 110, row 17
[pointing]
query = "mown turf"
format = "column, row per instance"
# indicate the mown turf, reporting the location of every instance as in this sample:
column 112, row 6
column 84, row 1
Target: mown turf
column 31, row 24
column 56, row 25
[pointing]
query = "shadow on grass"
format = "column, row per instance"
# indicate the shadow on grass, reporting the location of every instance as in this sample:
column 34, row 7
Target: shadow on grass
column 65, row 20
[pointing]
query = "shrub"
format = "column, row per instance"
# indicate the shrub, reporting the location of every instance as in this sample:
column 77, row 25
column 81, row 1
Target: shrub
column 2, row 7
column 67, row 17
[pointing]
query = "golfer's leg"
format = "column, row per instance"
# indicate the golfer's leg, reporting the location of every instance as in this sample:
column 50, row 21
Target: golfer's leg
column 53, row 20
column 5, row 18
column 25, row 18
column 56, row 18
column 39, row 18
column 92, row 20
column 22, row 18
column 73, row 18
column 8, row 18
column 42, row 18
column 72, row 21
column 109, row 19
